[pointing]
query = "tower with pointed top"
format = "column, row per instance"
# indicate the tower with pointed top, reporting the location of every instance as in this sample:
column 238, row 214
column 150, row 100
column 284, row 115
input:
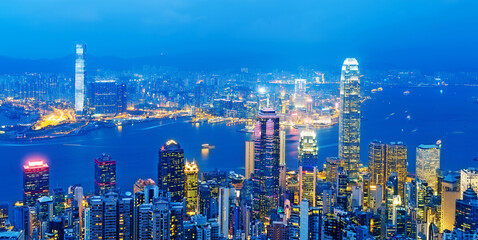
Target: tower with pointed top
column 349, row 117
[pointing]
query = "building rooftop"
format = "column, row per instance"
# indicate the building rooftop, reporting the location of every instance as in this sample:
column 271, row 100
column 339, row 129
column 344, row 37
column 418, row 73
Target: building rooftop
column 351, row 61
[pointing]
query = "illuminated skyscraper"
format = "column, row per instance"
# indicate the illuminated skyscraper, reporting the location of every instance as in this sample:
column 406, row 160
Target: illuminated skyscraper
column 349, row 118
column 308, row 151
column 397, row 162
column 307, row 184
column 36, row 181
column 428, row 161
column 249, row 159
column 376, row 163
column 331, row 166
column 104, row 99
column 191, row 188
column 300, row 96
column 386, row 159
column 80, row 78
column 105, row 174
column 266, row 164
column 468, row 178
column 466, row 216
column 3, row 214
column 171, row 176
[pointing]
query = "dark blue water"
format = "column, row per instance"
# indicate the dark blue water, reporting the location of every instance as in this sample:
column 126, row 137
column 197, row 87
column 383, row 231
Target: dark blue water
column 451, row 116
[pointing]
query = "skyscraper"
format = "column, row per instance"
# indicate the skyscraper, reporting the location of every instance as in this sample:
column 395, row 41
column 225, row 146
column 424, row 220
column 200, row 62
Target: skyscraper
column 397, row 162
column 468, row 178
column 266, row 164
column 307, row 184
column 308, row 150
column 121, row 103
column 376, row 163
column 331, row 166
column 105, row 174
column 466, row 217
column 171, row 176
column 191, row 188
column 428, row 161
column 249, row 159
column 80, row 78
column 299, row 96
column 36, row 181
column 105, row 97
column 349, row 117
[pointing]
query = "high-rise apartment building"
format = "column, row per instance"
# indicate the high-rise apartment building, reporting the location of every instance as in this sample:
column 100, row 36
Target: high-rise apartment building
column 171, row 175
column 349, row 117
column 266, row 164
column 428, row 162
column 36, row 181
column 105, row 174
column 80, row 78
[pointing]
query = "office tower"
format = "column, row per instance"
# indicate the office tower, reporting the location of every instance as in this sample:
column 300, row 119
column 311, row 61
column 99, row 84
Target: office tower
column 44, row 209
column 147, row 195
column 58, row 201
column 21, row 218
column 109, row 216
column 341, row 189
column 80, row 78
column 191, row 188
column 466, row 215
column 376, row 162
column 36, row 181
column 105, row 174
column 331, row 166
column 104, row 97
column 121, row 99
column 307, row 184
column 308, row 150
column 249, row 159
column 428, row 161
column 299, row 93
column 357, row 197
column 349, row 118
column 277, row 231
column 423, row 197
column 266, row 164
column 3, row 214
column 171, row 176
column 282, row 148
column 396, row 161
column 449, row 194
column 468, row 177
column 140, row 184
column 366, row 192
column 207, row 200
column 223, row 219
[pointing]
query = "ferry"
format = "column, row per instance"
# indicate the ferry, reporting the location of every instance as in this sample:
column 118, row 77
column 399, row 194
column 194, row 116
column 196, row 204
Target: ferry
column 207, row 146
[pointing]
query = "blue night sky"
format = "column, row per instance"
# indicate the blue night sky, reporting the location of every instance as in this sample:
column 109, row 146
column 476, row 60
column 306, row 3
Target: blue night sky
column 393, row 33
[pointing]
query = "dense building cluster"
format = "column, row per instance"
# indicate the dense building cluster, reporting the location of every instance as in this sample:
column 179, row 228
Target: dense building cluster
column 340, row 200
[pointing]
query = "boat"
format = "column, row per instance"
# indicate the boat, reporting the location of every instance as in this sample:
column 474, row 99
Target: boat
column 207, row 146
column 406, row 92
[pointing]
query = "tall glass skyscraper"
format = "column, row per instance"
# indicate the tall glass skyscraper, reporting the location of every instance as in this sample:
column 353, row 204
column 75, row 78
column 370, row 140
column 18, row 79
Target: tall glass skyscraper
column 428, row 162
column 171, row 175
column 80, row 78
column 308, row 150
column 299, row 93
column 36, row 181
column 104, row 97
column 349, row 118
column 105, row 174
column 191, row 190
column 266, row 167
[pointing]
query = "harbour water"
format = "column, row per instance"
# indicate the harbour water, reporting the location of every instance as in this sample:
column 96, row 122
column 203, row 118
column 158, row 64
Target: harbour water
column 425, row 115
